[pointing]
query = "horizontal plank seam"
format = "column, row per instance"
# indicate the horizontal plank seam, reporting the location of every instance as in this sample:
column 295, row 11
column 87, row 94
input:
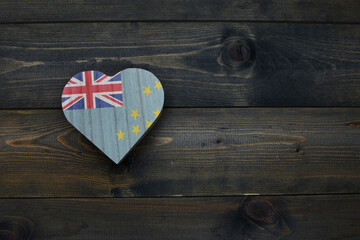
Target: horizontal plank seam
column 178, row 21
column 208, row 107
column 197, row 196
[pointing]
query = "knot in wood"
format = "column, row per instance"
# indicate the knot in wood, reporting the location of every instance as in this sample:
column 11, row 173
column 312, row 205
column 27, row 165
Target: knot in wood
column 16, row 228
column 261, row 210
column 238, row 53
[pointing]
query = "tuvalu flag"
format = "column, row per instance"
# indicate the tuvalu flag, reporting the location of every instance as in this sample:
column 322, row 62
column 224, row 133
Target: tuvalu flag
column 113, row 112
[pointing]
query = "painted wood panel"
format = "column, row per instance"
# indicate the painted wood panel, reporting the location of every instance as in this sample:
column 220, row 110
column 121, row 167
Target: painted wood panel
column 113, row 112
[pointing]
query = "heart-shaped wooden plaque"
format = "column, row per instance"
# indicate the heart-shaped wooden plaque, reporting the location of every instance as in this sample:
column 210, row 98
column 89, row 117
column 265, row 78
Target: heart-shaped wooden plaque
column 113, row 112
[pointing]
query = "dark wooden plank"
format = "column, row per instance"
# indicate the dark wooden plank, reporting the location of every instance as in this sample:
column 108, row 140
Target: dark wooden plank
column 258, row 218
column 100, row 10
column 189, row 152
column 199, row 64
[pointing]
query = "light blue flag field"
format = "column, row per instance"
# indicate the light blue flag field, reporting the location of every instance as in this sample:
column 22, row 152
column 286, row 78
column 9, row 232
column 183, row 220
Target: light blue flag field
column 113, row 112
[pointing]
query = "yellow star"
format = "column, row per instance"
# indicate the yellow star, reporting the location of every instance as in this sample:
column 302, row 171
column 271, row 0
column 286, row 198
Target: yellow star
column 148, row 123
column 147, row 90
column 120, row 135
column 158, row 85
column 134, row 114
column 136, row 129
column 157, row 112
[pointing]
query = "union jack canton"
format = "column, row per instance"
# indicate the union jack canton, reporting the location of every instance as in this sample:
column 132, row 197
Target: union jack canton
column 92, row 89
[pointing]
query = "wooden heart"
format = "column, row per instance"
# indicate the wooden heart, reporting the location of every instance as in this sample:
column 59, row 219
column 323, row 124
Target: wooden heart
column 113, row 112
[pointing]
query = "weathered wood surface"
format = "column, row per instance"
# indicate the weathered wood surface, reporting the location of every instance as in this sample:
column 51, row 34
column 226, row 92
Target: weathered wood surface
column 190, row 152
column 123, row 10
column 207, row 54
column 199, row 64
column 260, row 218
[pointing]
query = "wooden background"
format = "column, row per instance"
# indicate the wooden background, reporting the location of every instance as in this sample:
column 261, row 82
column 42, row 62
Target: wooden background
column 259, row 138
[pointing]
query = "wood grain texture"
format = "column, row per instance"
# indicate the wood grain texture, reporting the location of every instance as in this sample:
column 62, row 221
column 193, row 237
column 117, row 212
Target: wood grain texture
column 258, row 218
column 199, row 64
column 189, row 152
column 55, row 184
column 110, row 10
